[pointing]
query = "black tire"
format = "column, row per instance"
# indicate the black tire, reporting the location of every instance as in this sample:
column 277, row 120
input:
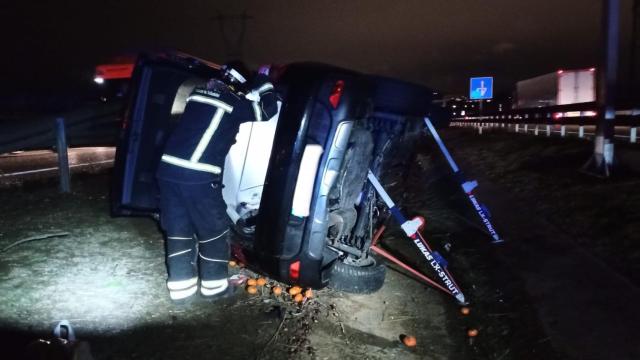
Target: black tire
column 401, row 97
column 357, row 279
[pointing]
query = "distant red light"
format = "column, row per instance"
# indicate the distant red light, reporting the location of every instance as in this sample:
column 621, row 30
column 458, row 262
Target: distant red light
column 336, row 93
column 592, row 69
column 560, row 72
column 114, row 71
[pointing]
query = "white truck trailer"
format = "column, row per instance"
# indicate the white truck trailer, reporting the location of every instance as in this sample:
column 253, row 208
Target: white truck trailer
column 562, row 87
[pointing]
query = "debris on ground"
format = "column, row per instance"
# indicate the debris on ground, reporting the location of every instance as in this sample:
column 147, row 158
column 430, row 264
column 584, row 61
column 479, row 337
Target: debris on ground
column 409, row 341
column 34, row 238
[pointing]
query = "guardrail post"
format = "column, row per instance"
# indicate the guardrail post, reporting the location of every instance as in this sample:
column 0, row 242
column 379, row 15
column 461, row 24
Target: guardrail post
column 563, row 130
column 633, row 135
column 535, row 131
column 63, row 156
column 517, row 128
column 525, row 128
column 548, row 130
column 581, row 131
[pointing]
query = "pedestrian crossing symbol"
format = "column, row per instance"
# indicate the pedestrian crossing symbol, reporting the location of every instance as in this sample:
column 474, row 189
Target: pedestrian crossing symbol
column 481, row 88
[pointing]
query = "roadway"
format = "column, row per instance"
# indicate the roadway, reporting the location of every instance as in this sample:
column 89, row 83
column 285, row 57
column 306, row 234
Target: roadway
column 19, row 166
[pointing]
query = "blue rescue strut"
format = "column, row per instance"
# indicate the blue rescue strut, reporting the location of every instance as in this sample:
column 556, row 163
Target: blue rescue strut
column 467, row 186
column 411, row 228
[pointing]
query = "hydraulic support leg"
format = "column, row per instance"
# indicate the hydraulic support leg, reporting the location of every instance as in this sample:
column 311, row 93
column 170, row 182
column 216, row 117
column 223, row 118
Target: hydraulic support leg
column 411, row 228
column 467, row 186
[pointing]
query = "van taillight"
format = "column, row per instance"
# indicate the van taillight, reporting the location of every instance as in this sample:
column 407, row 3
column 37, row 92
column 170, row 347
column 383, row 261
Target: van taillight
column 294, row 270
column 336, row 93
column 125, row 120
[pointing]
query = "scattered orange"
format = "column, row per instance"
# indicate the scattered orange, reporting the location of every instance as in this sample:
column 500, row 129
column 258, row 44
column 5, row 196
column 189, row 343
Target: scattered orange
column 233, row 263
column 295, row 290
column 252, row 289
column 277, row 290
column 472, row 332
column 298, row 298
column 465, row 310
column 252, row 282
column 261, row 281
column 409, row 340
column 308, row 293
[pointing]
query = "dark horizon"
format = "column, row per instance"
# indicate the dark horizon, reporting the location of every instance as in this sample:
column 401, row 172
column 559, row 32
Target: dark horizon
column 56, row 46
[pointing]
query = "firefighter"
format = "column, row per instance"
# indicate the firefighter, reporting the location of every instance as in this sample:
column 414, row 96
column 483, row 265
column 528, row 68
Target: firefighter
column 193, row 212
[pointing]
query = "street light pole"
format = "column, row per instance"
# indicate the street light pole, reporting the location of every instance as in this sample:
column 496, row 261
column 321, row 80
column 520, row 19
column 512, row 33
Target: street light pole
column 602, row 160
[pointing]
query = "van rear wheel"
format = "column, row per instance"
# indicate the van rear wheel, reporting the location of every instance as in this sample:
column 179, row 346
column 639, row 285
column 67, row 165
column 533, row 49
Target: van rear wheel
column 358, row 277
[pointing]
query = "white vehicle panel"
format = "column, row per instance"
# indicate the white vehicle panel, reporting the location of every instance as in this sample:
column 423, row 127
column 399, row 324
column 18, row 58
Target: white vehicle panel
column 246, row 166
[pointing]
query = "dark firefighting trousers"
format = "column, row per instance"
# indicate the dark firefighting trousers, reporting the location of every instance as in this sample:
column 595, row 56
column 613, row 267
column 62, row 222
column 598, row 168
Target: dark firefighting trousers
column 196, row 226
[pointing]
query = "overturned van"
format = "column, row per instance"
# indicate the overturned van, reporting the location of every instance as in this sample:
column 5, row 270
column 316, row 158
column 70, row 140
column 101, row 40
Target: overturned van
column 295, row 185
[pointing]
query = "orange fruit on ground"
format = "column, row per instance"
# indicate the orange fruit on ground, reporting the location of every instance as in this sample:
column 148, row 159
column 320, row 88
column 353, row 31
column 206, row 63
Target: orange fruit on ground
column 232, row 263
column 298, row 298
column 465, row 310
column 295, row 290
column 308, row 293
column 252, row 282
column 252, row 290
column 472, row 332
column 261, row 281
column 409, row 340
column 277, row 290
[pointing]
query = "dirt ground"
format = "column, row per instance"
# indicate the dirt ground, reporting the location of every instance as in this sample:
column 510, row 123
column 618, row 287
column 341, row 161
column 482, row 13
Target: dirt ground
column 107, row 278
column 571, row 256
column 554, row 291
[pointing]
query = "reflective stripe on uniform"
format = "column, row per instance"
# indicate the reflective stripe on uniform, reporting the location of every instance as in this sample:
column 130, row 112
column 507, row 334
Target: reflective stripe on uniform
column 213, row 287
column 207, row 100
column 214, row 283
column 208, row 134
column 179, row 253
column 265, row 87
column 209, row 259
column 183, row 294
column 182, row 284
column 190, row 164
column 179, row 238
column 257, row 111
column 217, row 237
column 194, row 161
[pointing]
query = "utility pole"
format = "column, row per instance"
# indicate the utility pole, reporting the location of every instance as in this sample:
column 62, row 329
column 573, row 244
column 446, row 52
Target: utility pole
column 601, row 162
column 634, row 64
column 233, row 28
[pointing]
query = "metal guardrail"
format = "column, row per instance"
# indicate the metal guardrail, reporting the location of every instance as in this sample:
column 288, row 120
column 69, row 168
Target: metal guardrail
column 578, row 120
column 626, row 133
column 96, row 125
column 573, row 114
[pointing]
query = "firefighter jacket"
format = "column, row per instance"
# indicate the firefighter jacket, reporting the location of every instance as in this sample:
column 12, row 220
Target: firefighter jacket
column 196, row 149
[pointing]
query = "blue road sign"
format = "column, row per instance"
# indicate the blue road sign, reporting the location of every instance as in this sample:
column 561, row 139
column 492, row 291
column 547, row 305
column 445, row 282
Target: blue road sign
column 481, row 88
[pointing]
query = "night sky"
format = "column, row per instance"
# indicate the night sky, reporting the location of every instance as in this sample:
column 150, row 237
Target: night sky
column 55, row 44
